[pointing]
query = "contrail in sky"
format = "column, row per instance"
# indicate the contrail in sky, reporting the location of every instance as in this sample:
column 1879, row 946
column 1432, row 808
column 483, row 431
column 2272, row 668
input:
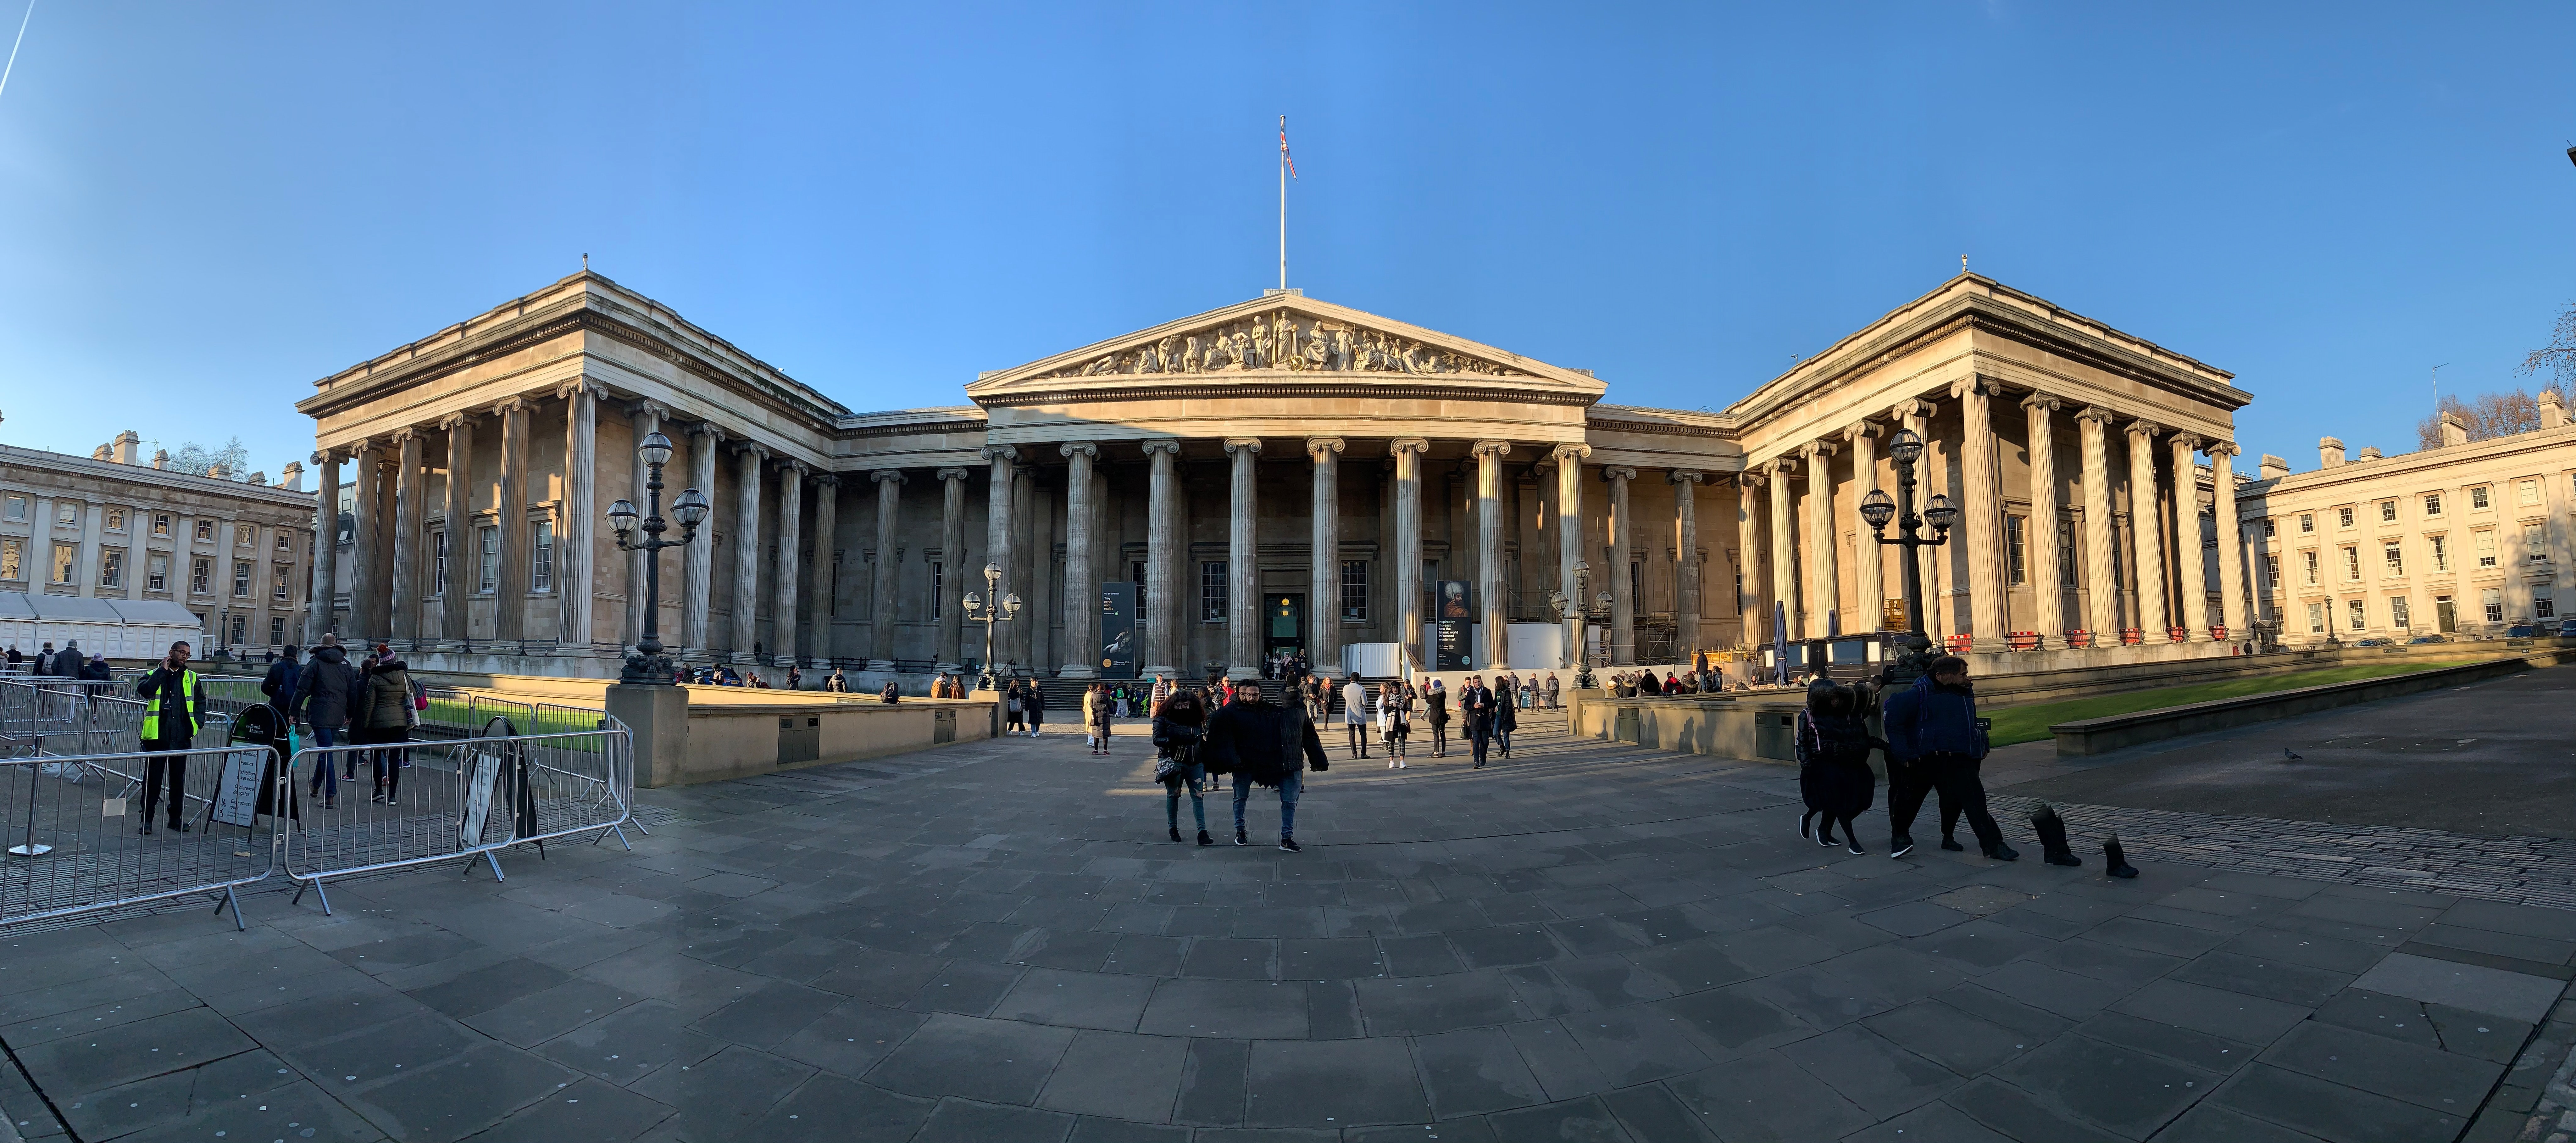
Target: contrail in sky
column 15, row 44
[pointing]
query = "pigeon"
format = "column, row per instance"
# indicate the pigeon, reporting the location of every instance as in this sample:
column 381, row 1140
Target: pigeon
column 2290, row 755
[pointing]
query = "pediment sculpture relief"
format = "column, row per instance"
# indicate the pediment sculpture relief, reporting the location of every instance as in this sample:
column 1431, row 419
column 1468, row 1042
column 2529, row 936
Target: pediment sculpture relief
column 1285, row 341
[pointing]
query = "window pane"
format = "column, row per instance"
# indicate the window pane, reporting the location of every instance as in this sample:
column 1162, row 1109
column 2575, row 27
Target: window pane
column 62, row 563
column 1212, row 588
column 2016, row 571
column 156, row 573
column 111, row 569
column 2535, row 542
column 2397, row 611
column 2355, row 611
column 541, row 563
column 1355, row 591
column 2492, row 599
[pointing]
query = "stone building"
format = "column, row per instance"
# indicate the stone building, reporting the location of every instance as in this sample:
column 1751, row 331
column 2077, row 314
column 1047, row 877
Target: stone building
column 108, row 540
column 2468, row 538
column 1278, row 473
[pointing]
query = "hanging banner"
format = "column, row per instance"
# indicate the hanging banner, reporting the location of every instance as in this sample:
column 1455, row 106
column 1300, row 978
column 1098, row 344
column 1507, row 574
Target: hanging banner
column 1118, row 630
column 1454, row 618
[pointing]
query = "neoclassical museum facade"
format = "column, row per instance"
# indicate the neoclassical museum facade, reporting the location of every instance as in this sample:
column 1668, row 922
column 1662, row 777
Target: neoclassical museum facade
column 1282, row 473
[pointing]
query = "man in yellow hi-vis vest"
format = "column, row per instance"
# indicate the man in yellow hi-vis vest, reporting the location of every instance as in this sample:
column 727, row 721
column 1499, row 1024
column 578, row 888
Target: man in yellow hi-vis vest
column 175, row 707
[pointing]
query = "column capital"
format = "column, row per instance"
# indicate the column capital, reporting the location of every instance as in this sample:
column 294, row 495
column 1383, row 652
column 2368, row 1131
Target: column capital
column 895, row 475
column 1000, row 452
column 2220, row 449
column 1407, row 444
column 1912, row 407
column 957, row 474
column 508, row 405
column 1490, row 448
column 578, row 386
column 2185, row 443
column 1316, row 447
column 1617, row 474
column 788, row 464
column 1862, row 429
column 1751, row 478
column 1570, row 451
column 2143, row 428
column 2097, row 414
column 2041, row 402
column 325, row 456
column 750, row 448
column 1086, row 448
column 1235, row 445
column 1821, row 447
column 646, row 406
column 1980, row 386
column 461, row 419
column 1784, row 464
column 1164, row 444
column 826, row 480
column 708, row 430
column 1686, row 476
column 405, row 435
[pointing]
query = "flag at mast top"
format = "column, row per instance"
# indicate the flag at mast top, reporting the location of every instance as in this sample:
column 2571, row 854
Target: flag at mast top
column 1287, row 171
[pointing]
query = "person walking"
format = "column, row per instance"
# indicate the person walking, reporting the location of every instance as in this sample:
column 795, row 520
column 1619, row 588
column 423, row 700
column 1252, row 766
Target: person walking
column 1553, row 701
column 1161, row 690
column 1033, row 704
column 1476, row 705
column 1833, row 745
column 279, row 684
column 1391, row 702
column 1932, row 734
column 1015, row 716
column 1355, row 717
column 1435, row 710
column 325, row 695
column 1180, row 724
column 836, row 682
column 1266, row 744
column 174, row 709
column 385, row 716
column 1507, row 718
column 1096, row 715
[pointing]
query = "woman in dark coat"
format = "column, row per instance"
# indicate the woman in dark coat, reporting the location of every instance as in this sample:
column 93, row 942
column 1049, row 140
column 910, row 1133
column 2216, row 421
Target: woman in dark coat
column 1834, row 778
column 1435, row 710
column 1178, row 729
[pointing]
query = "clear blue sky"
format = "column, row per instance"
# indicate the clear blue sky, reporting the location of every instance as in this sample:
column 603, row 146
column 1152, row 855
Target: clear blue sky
column 204, row 207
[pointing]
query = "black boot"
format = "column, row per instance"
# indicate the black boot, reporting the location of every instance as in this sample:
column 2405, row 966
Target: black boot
column 1204, row 839
column 2115, row 862
column 2052, row 836
column 1951, row 842
column 1176, row 833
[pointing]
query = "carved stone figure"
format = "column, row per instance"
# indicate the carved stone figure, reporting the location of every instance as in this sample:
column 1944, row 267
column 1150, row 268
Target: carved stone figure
column 1260, row 345
column 1316, row 352
column 1239, row 347
column 1190, row 354
column 1342, row 347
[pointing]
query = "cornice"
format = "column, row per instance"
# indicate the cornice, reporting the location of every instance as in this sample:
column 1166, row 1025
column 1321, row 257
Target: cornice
column 1298, row 390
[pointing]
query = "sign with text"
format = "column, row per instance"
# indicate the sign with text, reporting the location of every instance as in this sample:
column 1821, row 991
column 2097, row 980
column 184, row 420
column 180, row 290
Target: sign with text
column 1118, row 630
column 1454, row 613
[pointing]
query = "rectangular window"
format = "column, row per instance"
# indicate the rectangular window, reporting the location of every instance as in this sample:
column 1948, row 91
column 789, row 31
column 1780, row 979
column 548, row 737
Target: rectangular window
column 205, row 529
column 2355, row 614
column 2493, row 599
column 938, row 591
column 2432, row 503
column 2015, row 551
column 246, row 537
column 2066, row 553
column 285, row 540
column 2351, row 564
column 2525, row 493
column 2441, row 553
column 2316, row 619
column 161, row 524
column 277, row 582
column 241, row 579
column 2535, row 543
column 2269, row 530
column 2478, row 497
column 201, row 576
column 2272, row 572
column 277, row 631
column 2307, row 522
column 541, row 558
column 63, row 554
column 2387, row 511
column 111, row 568
column 2343, row 517
column 2395, row 557
column 66, row 513
column 13, row 558
column 2544, row 602
column 487, row 556
column 2311, row 558
column 14, row 509
column 116, row 519
column 2397, row 611
column 1212, row 591
column 156, row 573
column 438, row 563
column 2485, row 542
column 238, row 628
column 1354, row 591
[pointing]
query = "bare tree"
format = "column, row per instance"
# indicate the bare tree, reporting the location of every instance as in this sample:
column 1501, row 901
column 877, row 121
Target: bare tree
column 198, row 460
column 2491, row 415
column 2558, row 358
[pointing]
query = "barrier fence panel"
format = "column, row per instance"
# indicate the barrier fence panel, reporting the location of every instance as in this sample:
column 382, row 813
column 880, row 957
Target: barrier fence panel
column 377, row 806
column 86, row 833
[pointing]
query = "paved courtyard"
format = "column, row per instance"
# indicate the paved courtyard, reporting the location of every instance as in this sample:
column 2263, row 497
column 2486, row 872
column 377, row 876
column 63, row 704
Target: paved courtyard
column 993, row 942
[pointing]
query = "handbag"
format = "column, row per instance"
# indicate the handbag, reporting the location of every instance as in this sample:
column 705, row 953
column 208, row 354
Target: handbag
column 1167, row 770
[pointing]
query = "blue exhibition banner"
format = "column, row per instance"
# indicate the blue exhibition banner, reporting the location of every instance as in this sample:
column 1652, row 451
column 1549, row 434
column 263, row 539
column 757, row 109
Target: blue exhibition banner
column 1118, row 630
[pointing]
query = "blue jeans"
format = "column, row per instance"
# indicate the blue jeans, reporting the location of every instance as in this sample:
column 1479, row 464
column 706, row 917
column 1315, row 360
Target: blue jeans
column 326, row 778
column 1192, row 776
column 1289, row 788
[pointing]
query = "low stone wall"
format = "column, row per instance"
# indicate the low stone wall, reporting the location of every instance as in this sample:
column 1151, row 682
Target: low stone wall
column 2103, row 735
column 741, row 739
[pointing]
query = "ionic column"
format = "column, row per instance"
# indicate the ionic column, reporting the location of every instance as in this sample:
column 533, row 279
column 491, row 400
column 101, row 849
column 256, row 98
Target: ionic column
column 1569, row 547
column 1242, row 554
column 407, row 491
column 881, row 587
column 997, row 533
column 643, row 417
column 455, row 586
column 749, row 459
column 1324, row 589
column 1869, row 560
column 1490, row 518
column 791, row 561
column 2194, row 596
column 2047, row 578
column 827, row 523
column 2101, row 587
column 952, row 556
column 1623, row 603
column 1749, row 591
column 698, row 560
column 1686, row 570
column 2231, row 540
column 1916, row 413
column 1162, row 532
column 1823, row 532
column 326, row 548
column 367, row 620
column 1784, row 571
column 573, row 537
column 510, row 611
column 1984, row 511
column 2143, row 510
column 1034, row 551
column 1081, row 579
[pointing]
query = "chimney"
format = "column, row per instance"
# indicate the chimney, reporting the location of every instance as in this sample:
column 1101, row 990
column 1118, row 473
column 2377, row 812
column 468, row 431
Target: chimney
column 2329, row 452
column 160, row 458
column 259, row 478
column 2368, row 454
column 2455, row 430
column 291, row 477
column 2274, row 468
column 2553, row 413
column 124, row 450
column 102, row 452
column 218, row 472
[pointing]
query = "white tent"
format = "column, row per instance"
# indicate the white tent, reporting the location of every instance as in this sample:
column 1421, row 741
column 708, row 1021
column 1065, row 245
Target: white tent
column 116, row 628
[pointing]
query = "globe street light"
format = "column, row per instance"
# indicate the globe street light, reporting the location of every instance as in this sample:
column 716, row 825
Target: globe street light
column 1007, row 608
column 1877, row 510
column 647, row 664
column 1574, row 611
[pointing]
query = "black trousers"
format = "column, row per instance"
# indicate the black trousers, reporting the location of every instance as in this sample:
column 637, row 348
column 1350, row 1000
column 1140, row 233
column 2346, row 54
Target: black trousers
column 1359, row 739
column 172, row 767
column 1480, row 736
column 1957, row 779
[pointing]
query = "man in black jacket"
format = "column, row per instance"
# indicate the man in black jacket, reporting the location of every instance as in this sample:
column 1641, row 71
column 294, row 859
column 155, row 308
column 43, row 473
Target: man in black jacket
column 325, row 694
column 279, row 686
column 174, row 710
column 1266, row 744
column 1476, row 705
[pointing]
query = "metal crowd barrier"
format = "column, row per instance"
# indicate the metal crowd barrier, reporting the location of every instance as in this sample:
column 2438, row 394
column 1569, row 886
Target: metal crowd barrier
column 364, row 810
column 76, row 845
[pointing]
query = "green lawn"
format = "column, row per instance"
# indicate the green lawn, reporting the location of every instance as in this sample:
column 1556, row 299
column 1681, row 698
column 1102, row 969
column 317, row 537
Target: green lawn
column 2030, row 723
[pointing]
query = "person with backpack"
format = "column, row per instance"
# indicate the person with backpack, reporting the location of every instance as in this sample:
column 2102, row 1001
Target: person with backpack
column 174, row 710
column 1934, row 742
column 386, row 713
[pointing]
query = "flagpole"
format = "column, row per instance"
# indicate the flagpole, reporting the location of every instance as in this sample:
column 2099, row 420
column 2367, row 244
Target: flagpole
column 1283, row 203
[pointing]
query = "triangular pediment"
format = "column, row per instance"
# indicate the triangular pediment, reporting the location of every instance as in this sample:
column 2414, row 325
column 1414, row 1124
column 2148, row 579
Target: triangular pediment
column 1280, row 336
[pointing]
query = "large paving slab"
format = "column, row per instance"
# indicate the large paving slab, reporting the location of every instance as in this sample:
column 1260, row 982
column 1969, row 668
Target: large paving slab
column 994, row 941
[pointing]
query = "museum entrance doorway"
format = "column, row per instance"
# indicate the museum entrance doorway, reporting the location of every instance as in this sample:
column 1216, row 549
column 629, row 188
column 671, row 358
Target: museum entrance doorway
column 1283, row 620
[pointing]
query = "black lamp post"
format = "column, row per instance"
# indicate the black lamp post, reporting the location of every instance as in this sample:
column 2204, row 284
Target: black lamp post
column 1002, row 611
column 648, row 665
column 1573, row 607
column 1905, row 448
